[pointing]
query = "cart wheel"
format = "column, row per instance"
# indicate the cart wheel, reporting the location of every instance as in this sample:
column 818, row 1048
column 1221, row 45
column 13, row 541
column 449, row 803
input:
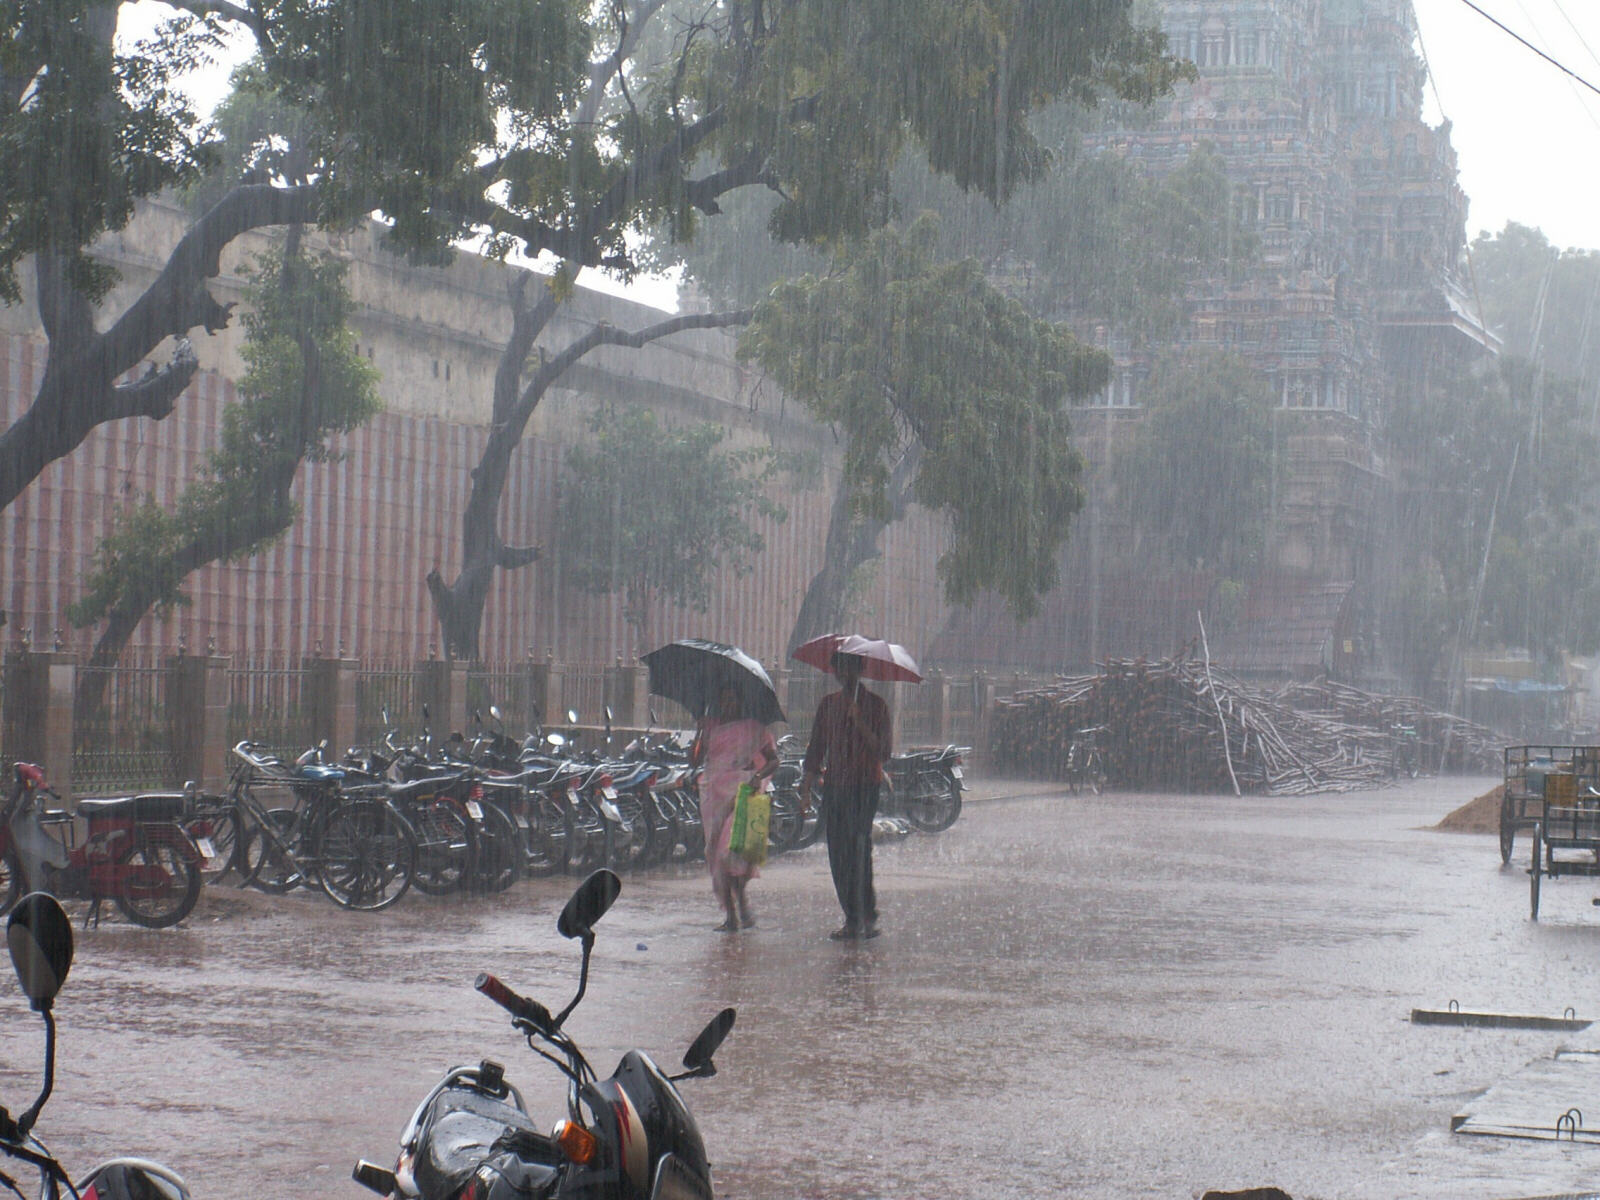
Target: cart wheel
column 1533, row 873
column 1508, row 828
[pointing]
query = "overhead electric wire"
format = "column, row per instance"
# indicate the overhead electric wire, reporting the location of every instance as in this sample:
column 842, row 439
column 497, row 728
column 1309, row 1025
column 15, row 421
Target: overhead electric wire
column 1504, row 28
column 1576, row 32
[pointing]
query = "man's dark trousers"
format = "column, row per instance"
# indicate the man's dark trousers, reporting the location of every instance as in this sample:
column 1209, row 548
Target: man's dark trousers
column 849, row 814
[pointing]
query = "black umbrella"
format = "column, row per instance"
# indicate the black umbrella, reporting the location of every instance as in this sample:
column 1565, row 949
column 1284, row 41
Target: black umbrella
column 693, row 672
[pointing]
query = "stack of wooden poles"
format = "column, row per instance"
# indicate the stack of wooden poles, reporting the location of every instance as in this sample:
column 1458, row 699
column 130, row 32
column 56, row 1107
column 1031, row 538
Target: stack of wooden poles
column 1185, row 725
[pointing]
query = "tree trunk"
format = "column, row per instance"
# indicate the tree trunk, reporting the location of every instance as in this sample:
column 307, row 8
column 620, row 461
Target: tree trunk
column 459, row 605
column 78, row 391
column 851, row 543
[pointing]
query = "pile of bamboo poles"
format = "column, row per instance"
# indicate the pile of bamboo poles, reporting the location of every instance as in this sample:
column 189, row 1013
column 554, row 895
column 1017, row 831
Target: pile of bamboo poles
column 1184, row 725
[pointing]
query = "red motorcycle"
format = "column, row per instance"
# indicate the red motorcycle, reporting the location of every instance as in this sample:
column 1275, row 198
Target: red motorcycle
column 134, row 852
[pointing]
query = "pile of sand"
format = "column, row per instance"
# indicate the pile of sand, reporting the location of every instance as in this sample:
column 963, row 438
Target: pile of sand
column 1476, row 816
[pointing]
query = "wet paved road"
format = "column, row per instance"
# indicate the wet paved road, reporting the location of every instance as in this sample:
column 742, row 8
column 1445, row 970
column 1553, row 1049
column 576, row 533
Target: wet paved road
column 1122, row 996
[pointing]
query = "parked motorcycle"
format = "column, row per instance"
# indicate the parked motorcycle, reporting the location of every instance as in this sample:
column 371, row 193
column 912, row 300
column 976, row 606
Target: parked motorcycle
column 628, row 1137
column 924, row 786
column 40, row 937
column 134, row 852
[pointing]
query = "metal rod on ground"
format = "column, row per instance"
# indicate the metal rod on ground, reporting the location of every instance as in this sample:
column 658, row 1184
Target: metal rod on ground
column 1211, row 687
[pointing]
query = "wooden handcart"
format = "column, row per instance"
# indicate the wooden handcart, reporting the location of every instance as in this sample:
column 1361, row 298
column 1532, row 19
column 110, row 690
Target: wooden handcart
column 1566, row 841
column 1533, row 773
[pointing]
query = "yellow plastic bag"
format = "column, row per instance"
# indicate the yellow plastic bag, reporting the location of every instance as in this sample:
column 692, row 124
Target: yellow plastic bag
column 752, row 814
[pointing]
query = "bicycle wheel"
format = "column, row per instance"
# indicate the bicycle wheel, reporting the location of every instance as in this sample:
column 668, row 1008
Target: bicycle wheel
column 366, row 854
column 445, row 845
column 158, row 878
column 1508, row 828
column 933, row 803
column 549, row 836
column 1533, row 873
column 1095, row 774
column 219, row 833
column 498, row 862
column 633, row 838
column 270, row 852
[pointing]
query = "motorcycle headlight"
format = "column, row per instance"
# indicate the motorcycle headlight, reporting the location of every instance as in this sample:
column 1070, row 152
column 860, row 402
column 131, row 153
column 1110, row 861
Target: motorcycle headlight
column 675, row 1181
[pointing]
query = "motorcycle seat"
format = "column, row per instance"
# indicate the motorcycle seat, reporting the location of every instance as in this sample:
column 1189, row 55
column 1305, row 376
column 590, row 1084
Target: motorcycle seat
column 155, row 806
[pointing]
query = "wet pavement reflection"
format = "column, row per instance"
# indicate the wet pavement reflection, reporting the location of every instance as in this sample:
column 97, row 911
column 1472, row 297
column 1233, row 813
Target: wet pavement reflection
column 1127, row 995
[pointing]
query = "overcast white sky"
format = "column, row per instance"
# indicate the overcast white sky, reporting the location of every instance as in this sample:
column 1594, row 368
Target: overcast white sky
column 1527, row 135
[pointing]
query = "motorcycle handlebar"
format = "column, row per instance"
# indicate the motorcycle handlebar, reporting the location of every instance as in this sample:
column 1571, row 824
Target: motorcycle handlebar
column 520, row 1007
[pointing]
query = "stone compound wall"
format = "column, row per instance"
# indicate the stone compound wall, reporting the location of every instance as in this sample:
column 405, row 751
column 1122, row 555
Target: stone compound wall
column 348, row 579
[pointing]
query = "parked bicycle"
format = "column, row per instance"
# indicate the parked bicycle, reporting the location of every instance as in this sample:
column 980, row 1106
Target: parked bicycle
column 1085, row 768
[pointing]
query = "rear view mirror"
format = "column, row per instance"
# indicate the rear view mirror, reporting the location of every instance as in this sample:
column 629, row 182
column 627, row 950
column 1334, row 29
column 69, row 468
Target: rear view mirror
column 555, row 739
column 588, row 904
column 572, row 716
column 40, row 939
column 698, row 1057
column 494, row 711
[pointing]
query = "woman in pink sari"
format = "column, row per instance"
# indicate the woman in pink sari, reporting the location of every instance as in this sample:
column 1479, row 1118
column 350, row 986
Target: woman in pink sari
column 732, row 750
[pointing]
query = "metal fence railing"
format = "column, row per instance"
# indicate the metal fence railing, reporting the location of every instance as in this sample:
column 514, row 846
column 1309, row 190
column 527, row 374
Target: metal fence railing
column 122, row 731
column 383, row 687
column 127, row 718
column 267, row 703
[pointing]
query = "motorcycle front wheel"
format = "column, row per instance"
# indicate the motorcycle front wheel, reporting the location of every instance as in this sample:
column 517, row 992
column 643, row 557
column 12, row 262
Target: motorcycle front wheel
column 10, row 880
column 159, row 879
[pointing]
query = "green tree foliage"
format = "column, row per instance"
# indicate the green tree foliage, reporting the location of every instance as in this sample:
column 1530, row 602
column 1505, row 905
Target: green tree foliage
column 1545, row 302
column 1498, row 518
column 87, row 129
column 1195, row 479
column 651, row 511
column 303, row 384
column 897, row 348
column 567, row 127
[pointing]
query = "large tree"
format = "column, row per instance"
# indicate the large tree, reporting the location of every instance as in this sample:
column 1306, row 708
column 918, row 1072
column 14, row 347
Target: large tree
column 542, row 127
column 947, row 392
column 1497, row 519
column 1195, row 478
column 303, row 384
column 654, row 511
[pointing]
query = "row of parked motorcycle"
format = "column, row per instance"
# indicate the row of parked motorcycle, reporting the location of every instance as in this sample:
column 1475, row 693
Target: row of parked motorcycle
column 470, row 815
column 626, row 1137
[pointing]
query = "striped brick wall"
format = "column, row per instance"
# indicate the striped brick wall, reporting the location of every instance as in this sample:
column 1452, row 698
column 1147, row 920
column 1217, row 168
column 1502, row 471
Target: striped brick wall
column 350, row 574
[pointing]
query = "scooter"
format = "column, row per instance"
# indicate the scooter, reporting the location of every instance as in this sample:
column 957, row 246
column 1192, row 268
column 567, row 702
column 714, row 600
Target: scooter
column 40, row 937
column 134, row 851
column 628, row 1137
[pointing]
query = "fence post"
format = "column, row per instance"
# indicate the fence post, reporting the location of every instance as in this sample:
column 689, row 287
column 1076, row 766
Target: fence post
column 983, row 700
column 38, row 712
column 619, row 692
column 640, row 700
column 442, row 686
column 939, row 707
column 198, row 709
column 332, row 702
column 555, row 691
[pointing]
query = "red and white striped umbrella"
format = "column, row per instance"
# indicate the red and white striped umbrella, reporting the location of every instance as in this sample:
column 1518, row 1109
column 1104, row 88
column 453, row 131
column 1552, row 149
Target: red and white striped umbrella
column 887, row 662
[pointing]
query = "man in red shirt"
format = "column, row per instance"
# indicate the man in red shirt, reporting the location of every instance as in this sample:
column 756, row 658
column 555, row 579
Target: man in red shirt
column 850, row 742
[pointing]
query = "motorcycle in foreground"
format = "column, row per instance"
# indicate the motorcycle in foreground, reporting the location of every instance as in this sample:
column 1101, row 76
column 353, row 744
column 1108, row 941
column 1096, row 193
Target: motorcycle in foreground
column 628, row 1137
column 40, row 938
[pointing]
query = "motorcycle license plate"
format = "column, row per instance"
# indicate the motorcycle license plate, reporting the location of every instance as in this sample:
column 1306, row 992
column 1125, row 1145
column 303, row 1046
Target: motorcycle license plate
column 955, row 773
column 611, row 811
column 474, row 810
column 524, row 824
column 610, row 793
column 207, row 850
